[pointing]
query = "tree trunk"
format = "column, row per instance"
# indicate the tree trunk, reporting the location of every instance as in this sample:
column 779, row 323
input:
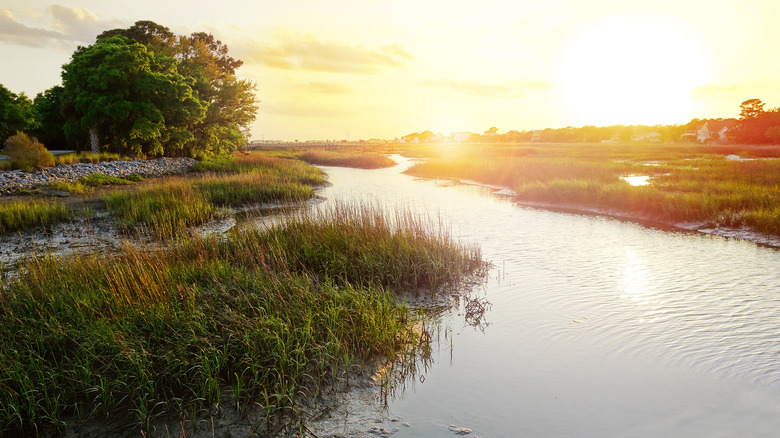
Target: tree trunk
column 93, row 137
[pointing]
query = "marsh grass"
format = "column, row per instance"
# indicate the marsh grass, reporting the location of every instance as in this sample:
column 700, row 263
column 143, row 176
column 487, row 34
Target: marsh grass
column 689, row 183
column 362, row 160
column 170, row 208
column 19, row 215
column 167, row 209
column 268, row 314
column 87, row 157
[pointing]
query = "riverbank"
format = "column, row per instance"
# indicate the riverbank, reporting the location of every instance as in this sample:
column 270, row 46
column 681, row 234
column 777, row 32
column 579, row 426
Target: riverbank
column 14, row 182
column 167, row 332
column 734, row 195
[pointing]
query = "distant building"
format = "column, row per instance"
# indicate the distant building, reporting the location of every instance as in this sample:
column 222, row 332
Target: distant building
column 461, row 137
column 714, row 130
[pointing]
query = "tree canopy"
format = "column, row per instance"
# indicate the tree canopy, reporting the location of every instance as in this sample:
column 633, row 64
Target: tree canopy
column 15, row 113
column 147, row 92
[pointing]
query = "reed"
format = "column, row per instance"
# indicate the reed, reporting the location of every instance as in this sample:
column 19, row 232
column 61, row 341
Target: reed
column 167, row 209
column 689, row 183
column 18, row 215
column 362, row 160
column 158, row 332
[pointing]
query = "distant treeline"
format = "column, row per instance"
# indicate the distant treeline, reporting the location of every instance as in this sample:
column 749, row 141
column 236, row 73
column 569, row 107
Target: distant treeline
column 140, row 91
column 754, row 126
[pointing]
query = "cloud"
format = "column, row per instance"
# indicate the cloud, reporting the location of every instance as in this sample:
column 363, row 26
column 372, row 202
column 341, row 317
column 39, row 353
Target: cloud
column 305, row 52
column 502, row 90
column 68, row 25
column 712, row 91
column 17, row 33
column 326, row 88
column 79, row 23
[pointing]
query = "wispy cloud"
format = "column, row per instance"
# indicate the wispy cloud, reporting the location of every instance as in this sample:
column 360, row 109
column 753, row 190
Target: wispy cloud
column 494, row 90
column 306, row 52
column 14, row 32
column 68, row 25
column 79, row 23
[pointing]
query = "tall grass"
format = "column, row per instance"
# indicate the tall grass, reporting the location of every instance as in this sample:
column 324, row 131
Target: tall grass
column 20, row 215
column 170, row 208
column 265, row 313
column 87, row 157
column 688, row 183
column 363, row 160
column 167, row 209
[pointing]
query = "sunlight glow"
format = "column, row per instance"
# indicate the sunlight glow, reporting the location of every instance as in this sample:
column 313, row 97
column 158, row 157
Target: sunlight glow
column 634, row 68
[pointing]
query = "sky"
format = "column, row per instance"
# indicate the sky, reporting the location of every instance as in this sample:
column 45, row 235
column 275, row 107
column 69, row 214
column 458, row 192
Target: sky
column 344, row 69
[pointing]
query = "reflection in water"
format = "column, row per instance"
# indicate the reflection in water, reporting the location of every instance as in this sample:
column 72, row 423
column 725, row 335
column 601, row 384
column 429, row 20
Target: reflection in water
column 597, row 327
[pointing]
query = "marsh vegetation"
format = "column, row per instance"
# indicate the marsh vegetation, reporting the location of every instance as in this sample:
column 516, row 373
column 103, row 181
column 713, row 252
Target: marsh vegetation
column 264, row 317
column 732, row 186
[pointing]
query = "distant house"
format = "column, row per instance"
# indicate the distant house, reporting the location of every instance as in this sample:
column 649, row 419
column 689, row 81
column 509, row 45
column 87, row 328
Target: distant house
column 536, row 136
column 714, row 130
column 461, row 137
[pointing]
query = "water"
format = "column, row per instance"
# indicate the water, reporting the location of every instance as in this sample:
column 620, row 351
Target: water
column 597, row 327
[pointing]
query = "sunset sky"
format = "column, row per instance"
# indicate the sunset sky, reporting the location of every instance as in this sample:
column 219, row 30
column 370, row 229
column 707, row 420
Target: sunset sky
column 328, row 69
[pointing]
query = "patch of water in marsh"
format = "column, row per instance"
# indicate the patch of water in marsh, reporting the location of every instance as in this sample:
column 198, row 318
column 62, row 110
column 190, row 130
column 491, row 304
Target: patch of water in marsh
column 597, row 327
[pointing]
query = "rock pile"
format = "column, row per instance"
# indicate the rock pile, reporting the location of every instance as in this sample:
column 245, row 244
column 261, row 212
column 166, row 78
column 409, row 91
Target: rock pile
column 14, row 181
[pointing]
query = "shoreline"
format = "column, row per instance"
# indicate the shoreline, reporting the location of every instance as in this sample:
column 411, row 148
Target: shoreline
column 743, row 234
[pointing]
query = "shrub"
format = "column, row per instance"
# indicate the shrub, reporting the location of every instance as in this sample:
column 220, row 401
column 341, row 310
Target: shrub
column 27, row 153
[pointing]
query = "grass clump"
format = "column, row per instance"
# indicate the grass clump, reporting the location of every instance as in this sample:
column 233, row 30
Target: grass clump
column 167, row 209
column 172, row 207
column 86, row 157
column 20, row 215
column 99, row 179
column 167, row 331
column 248, row 188
column 362, row 160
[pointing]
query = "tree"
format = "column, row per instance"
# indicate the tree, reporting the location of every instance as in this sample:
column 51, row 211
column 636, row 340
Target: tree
column 49, row 113
column 751, row 109
column 130, row 99
column 15, row 113
column 757, row 126
column 231, row 103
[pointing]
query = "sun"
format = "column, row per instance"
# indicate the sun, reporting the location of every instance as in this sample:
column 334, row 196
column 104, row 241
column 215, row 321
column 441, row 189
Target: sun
column 633, row 68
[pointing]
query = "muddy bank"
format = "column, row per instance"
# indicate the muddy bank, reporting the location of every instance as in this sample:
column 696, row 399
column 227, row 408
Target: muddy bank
column 693, row 227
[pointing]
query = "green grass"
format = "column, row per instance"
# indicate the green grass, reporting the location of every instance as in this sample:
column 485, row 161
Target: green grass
column 20, row 215
column 363, row 160
column 167, row 209
column 87, row 157
column 266, row 314
column 170, row 208
column 689, row 183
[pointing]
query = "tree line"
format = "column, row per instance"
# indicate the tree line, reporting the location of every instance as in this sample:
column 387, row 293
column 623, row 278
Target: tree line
column 142, row 91
column 754, row 126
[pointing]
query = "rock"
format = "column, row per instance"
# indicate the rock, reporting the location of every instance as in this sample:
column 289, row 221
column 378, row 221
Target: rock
column 460, row 430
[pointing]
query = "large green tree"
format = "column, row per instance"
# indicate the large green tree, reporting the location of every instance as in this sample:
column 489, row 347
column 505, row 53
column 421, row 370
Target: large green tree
column 15, row 113
column 129, row 98
column 231, row 102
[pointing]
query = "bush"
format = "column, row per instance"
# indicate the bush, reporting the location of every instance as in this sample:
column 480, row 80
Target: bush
column 27, row 153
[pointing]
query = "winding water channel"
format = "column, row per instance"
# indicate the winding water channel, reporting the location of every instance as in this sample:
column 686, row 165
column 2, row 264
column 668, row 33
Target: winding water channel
column 598, row 328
